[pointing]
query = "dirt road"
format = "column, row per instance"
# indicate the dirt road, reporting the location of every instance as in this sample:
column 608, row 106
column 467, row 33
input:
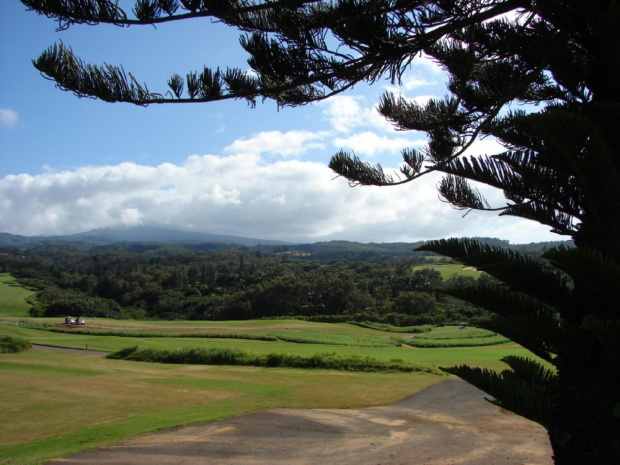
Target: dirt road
column 449, row 423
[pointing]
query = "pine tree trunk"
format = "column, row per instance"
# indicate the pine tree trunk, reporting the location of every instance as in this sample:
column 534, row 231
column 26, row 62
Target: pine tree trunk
column 583, row 430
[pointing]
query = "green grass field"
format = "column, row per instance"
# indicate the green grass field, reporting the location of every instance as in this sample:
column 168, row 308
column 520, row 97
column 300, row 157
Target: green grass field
column 55, row 404
column 487, row 356
column 13, row 298
column 448, row 270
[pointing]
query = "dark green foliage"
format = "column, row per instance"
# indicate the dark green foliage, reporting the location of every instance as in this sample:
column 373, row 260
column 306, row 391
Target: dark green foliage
column 51, row 302
column 521, row 273
column 607, row 332
column 591, row 268
column 523, row 319
column 218, row 356
column 229, row 285
column 11, row 344
column 554, row 322
column 527, row 389
column 124, row 354
column 532, row 372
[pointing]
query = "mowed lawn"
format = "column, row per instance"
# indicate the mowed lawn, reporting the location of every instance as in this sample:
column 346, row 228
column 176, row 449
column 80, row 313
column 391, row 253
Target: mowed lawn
column 54, row 404
column 484, row 356
column 447, row 270
column 13, row 298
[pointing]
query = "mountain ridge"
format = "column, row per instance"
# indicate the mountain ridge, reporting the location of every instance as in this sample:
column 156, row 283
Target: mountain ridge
column 145, row 234
column 145, row 239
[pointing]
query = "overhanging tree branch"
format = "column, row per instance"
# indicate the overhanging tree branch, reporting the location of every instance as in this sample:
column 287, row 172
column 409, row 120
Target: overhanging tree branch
column 560, row 166
column 149, row 12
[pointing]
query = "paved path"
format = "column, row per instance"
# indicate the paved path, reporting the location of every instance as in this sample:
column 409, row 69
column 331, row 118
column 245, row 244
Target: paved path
column 449, row 423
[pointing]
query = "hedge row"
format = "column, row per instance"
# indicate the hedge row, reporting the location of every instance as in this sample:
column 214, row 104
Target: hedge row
column 11, row 345
column 222, row 356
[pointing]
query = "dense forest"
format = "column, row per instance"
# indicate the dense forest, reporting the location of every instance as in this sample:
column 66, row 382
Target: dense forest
column 335, row 281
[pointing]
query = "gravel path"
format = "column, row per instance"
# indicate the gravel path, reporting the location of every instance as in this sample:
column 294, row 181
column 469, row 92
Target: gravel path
column 449, row 423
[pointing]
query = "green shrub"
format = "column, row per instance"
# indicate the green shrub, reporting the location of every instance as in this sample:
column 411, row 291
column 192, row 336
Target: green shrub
column 154, row 334
column 470, row 333
column 10, row 344
column 124, row 354
column 393, row 329
column 220, row 356
column 465, row 342
column 325, row 337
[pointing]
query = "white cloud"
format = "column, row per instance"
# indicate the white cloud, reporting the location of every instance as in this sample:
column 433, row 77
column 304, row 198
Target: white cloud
column 239, row 194
column 369, row 143
column 413, row 82
column 8, row 118
column 517, row 231
column 131, row 217
column 422, row 72
column 346, row 113
column 422, row 99
column 488, row 146
column 286, row 144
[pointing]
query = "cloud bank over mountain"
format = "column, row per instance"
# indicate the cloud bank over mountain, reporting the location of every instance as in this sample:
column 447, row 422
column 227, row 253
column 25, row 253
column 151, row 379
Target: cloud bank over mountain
column 271, row 184
column 237, row 194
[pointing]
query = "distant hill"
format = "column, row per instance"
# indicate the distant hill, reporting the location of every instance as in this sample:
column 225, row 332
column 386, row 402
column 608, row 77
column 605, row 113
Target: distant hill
column 352, row 251
column 140, row 234
column 12, row 239
column 147, row 238
column 347, row 251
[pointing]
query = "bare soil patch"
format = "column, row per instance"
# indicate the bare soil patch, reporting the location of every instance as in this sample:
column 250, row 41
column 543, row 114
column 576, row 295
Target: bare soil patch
column 449, row 423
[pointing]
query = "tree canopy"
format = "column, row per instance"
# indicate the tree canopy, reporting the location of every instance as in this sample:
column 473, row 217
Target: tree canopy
column 540, row 76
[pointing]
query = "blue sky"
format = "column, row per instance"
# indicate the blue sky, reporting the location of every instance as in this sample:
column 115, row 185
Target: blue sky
column 69, row 165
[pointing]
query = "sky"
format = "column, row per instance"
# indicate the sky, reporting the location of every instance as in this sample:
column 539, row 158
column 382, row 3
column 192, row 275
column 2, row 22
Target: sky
column 69, row 165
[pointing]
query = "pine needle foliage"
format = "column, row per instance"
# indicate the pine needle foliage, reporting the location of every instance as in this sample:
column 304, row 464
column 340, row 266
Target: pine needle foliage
column 527, row 388
column 539, row 306
column 520, row 272
column 608, row 334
